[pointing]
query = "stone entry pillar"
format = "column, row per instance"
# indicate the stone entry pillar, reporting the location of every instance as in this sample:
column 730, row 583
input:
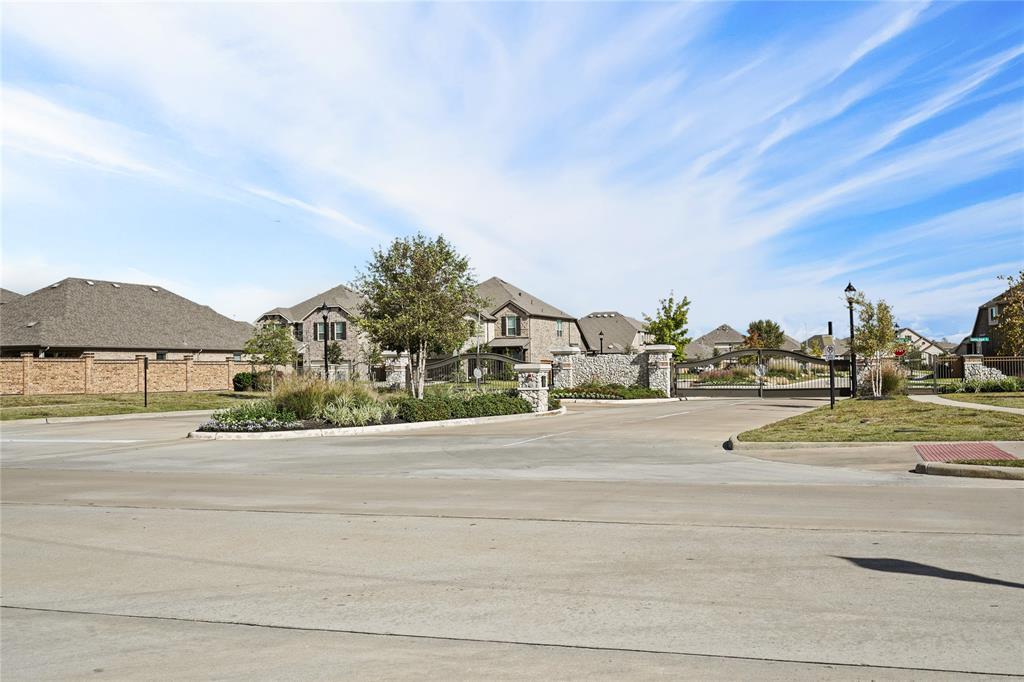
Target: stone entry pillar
column 396, row 369
column 533, row 385
column 563, row 367
column 659, row 367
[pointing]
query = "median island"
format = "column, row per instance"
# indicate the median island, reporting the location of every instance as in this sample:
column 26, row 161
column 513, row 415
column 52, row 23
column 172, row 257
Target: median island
column 892, row 419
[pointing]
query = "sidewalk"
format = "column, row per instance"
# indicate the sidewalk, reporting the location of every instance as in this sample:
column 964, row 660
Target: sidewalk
column 936, row 400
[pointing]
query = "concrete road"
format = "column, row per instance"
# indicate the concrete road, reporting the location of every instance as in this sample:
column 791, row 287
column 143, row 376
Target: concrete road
column 613, row 542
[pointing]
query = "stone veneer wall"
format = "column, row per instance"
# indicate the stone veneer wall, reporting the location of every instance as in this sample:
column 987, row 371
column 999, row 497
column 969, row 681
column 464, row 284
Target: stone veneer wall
column 627, row 369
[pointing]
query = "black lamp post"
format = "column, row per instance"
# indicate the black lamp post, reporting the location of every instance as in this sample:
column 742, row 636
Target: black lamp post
column 851, row 292
column 323, row 314
column 600, row 335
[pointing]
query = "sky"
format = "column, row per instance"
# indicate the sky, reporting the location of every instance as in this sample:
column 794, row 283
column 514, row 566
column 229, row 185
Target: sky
column 753, row 157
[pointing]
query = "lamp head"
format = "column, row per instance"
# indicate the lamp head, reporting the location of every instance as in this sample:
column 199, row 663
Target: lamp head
column 850, row 290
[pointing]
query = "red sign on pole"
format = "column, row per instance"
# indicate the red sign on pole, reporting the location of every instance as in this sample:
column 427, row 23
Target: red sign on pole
column 900, row 352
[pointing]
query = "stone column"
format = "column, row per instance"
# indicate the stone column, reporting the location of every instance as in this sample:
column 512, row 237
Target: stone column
column 562, row 368
column 659, row 367
column 396, row 369
column 141, row 362
column 88, row 358
column 976, row 369
column 26, row 373
column 533, row 384
column 188, row 372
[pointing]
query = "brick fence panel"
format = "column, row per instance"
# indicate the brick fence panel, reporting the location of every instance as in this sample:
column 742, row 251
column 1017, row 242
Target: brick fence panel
column 210, row 376
column 114, row 376
column 10, row 377
column 56, row 375
column 166, row 375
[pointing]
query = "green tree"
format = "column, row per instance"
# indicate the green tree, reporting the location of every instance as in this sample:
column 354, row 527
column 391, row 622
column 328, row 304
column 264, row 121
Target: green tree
column 815, row 348
column 334, row 353
column 271, row 344
column 764, row 334
column 1011, row 316
column 875, row 338
column 669, row 324
column 418, row 295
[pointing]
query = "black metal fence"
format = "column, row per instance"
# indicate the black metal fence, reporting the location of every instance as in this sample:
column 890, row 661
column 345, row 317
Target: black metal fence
column 760, row 371
column 496, row 371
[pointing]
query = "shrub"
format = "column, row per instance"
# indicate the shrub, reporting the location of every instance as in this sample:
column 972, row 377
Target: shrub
column 894, row 381
column 307, row 397
column 242, row 381
column 347, row 411
column 257, row 415
column 553, row 402
column 434, row 407
column 596, row 391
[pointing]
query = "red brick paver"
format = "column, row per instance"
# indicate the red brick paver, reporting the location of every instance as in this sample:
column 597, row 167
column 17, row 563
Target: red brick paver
column 946, row 452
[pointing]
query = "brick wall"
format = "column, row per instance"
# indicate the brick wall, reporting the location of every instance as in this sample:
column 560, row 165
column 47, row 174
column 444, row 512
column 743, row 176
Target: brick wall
column 54, row 376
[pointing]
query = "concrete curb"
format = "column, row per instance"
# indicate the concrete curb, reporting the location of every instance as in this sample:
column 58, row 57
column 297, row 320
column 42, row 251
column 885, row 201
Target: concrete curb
column 638, row 401
column 110, row 417
column 939, row 400
column 734, row 443
column 970, row 470
column 368, row 430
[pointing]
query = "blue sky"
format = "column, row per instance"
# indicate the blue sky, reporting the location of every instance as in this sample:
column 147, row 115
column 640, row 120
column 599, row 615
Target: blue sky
column 753, row 157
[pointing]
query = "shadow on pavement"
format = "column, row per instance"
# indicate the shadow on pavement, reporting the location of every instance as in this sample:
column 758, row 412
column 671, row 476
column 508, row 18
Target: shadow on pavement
column 913, row 568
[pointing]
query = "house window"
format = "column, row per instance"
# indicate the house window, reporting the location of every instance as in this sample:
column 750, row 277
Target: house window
column 161, row 356
column 510, row 325
column 318, row 331
column 297, row 331
column 993, row 314
column 339, row 330
column 237, row 357
column 558, row 328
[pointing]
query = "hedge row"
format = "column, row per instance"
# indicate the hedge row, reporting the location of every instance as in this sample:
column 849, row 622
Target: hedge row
column 437, row 407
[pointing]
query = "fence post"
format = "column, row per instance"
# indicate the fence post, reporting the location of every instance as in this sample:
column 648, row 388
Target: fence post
column 659, row 367
column 188, row 372
column 396, row 369
column 26, row 373
column 533, row 384
column 141, row 383
column 562, row 368
column 88, row 358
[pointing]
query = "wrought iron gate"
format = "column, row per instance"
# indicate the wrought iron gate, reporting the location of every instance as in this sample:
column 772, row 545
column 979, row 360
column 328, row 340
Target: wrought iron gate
column 757, row 372
column 496, row 370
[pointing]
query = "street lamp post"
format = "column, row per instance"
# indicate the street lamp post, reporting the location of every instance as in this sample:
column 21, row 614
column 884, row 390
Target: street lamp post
column 600, row 335
column 851, row 292
column 323, row 314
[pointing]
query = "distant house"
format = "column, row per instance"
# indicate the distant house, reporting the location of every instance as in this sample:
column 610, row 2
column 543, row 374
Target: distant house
column 116, row 320
column 7, row 296
column 525, row 327
column 789, row 343
column 986, row 323
column 612, row 332
column 305, row 319
column 817, row 341
column 721, row 339
column 929, row 349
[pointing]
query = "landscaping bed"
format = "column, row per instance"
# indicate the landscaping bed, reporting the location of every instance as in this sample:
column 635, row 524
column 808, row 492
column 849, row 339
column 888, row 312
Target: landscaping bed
column 313, row 404
column 894, row 419
column 90, row 405
column 605, row 392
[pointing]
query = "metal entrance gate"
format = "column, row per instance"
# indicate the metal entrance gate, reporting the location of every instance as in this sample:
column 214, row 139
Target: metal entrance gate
column 496, row 370
column 759, row 372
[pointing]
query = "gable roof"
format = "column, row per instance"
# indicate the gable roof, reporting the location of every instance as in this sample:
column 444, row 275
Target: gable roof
column 619, row 330
column 697, row 351
column 842, row 345
column 80, row 313
column 338, row 297
column 720, row 334
column 789, row 343
column 497, row 292
column 6, row 296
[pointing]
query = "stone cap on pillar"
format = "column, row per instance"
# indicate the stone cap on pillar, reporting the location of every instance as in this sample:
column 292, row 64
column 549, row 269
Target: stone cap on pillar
column 570, row 350
column 660, row 348
column 973, row 357
column 389, row 353
column 531, row 367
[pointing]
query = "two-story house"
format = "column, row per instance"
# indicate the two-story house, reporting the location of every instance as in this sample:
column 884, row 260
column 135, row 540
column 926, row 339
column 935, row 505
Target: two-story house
column 525, row 327
column 929, row 349
column 986, row 324
column 309, row 331
column 612, row 332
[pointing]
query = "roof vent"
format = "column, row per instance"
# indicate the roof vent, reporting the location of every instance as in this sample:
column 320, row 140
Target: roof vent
column 154, row 289
column 115, row 285
column 31, row 324
column 90, row 282
column 54, row 286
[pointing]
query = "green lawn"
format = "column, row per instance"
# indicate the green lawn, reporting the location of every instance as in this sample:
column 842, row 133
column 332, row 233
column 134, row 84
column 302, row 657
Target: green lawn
column 1001, row 399
column 899, row 419
column 32, row 406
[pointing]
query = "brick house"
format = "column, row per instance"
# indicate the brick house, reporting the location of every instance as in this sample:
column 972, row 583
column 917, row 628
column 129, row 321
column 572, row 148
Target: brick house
column 525, row 327
column 116, row 321
column 612, row 332
column 306, row 322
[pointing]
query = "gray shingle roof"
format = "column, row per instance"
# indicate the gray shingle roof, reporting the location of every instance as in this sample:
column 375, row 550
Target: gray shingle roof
column 340, row 296
column 697, row 351
column 497, row 292
column 619, row 330
column 79, row 313
column 842, row 345
column 6, row 296
column 721, row 334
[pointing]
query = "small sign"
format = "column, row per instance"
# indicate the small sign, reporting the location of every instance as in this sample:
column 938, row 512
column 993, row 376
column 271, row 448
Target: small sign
column 978, row 339
column 900, row 352
column 830, row 352
column 903, row 339
column 760, row 370
column 477, row 373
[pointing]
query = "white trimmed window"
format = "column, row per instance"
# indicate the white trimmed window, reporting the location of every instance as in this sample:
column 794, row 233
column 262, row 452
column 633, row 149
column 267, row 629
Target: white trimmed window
column 318, row 331
column 558, row 328
column 993, row 314
column 339, row 330
column 510, row 325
